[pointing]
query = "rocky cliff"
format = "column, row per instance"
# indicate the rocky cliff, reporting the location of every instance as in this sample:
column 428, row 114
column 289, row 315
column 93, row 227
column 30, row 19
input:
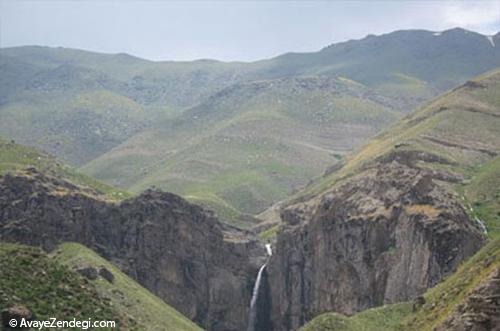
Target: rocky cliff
column 177, row 250
column 397, row 217
column 381, row 236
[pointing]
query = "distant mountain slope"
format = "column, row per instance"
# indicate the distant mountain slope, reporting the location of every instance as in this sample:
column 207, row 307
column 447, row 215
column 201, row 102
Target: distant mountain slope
column 79, row 104
column 399, row 216
column 51, row 286
column 250, row 144
column 113, row 113
column 411, row 64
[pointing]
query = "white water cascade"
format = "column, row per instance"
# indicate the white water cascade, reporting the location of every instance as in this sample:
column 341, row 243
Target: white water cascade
column 252, row 318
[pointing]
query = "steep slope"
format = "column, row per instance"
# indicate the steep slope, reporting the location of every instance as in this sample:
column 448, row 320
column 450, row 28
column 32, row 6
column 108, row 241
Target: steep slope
column 177, row 250
column 50, row 289
column 30, row 279
column 392, row 221
column 250, row 144
column 145, row 310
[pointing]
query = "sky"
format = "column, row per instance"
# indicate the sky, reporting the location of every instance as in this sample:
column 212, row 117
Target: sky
column 227, row 30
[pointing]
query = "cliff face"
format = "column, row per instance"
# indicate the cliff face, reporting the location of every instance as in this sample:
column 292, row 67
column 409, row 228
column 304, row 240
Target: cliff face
column 381, row 236
column 177, row 250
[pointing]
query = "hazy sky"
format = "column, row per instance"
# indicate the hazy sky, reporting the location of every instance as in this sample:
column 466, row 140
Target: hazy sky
column 226, row 30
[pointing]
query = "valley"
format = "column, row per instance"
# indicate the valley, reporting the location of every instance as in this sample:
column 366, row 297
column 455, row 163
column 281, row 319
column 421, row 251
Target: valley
column 354, row 188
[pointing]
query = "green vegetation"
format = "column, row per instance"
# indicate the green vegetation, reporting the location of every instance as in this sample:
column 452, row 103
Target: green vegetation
column 268, row 126
column 16, row 157
column 128, row 298
column 50, row 290
column 437, row 128
column 385, row 318
column 240, row 160
column 483, row 195
column 269, row 233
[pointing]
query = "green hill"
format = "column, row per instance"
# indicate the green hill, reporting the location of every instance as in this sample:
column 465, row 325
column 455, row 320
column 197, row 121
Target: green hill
column 50, row 287
column 239, row 160
column 128, row 297
column 119, row 116
column 50, row 290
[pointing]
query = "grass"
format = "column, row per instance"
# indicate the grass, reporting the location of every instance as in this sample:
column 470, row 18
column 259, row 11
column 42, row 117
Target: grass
column 16, row 157
column 482, row 194
column 127, row 296
column 242, row 159
column 269, row 233
column 385, row 318
column 31, row 278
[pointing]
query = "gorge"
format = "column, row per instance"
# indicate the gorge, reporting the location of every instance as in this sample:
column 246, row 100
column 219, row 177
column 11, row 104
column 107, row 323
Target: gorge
column 332, row 198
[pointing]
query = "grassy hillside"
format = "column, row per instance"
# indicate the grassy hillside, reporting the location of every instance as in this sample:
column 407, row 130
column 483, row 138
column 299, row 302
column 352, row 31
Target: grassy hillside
column 239, row 160
column 439, row 128
column 49, row 286
column 128, row 297
column 14, row 157
column 31, row 278
column 386, row 318
column 78, row 104
column 269, row 125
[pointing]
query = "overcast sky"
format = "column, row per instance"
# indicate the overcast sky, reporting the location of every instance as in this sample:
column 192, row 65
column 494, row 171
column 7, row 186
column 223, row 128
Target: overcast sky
column 227, row 30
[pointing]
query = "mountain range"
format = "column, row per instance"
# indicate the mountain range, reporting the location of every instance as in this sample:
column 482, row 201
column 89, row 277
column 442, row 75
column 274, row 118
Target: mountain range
column 381, row 198
column 236, row 137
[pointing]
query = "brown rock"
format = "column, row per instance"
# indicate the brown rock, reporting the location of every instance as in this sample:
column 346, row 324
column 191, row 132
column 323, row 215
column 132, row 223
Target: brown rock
column 16, row 313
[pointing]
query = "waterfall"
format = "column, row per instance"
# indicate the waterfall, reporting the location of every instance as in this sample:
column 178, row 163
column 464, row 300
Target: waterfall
column 253, row 304
column 269, row 249
column 252, row 318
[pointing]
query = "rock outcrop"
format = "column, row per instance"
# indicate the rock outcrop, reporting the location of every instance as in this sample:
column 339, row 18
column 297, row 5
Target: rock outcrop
column 481, row 309
column 176, row 249
column 381, row 236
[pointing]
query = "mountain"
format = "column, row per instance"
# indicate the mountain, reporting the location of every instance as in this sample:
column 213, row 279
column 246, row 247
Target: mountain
column 255, row 142
column 94, row 110
column 63, row 286
column 398, row 217
column 78, row 105
column 409, row 215
column 239, row 159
